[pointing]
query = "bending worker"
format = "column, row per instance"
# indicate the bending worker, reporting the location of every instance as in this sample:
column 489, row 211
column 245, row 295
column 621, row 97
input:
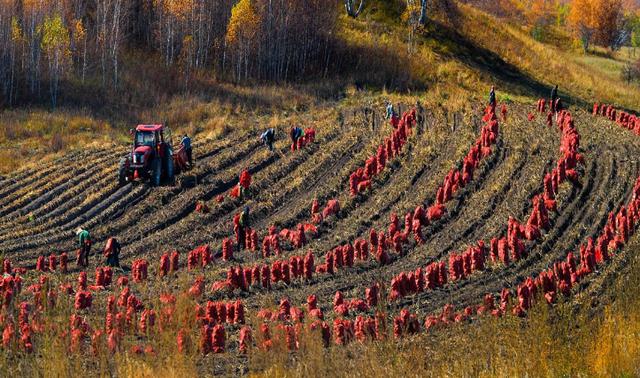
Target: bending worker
column 84, row 242
column 268, row 137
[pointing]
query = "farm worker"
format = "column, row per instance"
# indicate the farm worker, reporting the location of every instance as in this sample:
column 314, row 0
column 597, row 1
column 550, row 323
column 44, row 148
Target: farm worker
column 186, row 142
column 558, row 106
column 268, row 137
column 244, row 224
column 554, row 97
column 492, row 98
column 84, row 242
column 295, row 134
column 112, row 252
column 390, row 111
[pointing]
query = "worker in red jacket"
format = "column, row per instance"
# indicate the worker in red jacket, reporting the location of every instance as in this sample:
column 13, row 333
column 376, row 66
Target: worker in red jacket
column 112, row 253
column 554, row 97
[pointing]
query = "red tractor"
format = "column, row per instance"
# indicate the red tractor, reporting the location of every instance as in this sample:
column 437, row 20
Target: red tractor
column 152, row 157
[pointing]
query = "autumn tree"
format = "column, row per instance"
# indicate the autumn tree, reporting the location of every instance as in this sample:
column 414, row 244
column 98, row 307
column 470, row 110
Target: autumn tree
column 44, row 42
column 79, row 47
column 413, row 17
column 609, row 23
column 109, row 15
column 243, row 27
column 10, row 45
column 540, row 15
column 582, row 18
column 598, row 21
column 55, row 44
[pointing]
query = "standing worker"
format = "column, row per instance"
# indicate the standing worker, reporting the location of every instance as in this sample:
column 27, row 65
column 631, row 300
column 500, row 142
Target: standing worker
column 554, row 97
column 268, row 137
column 112, row 252
column 390, row 111
column 244, row 224
column 186, row 143
column 84, row 242
column 492, row 99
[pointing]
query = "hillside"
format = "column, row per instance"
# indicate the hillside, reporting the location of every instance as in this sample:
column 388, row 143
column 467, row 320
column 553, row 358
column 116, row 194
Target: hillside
column 461, row 242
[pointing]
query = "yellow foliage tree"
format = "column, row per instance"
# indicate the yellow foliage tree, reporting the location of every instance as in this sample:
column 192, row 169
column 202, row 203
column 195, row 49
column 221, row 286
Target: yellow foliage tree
column 244, row 22
column 241, row 34
column 179, row 8
column 55, row 44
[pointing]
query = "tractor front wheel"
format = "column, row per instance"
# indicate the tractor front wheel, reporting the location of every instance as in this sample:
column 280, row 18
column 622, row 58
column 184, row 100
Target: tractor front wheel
column 122, row 173
column 157, row 172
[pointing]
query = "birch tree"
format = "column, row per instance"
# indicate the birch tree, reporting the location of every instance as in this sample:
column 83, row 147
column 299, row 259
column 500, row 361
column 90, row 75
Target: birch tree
column 55, row 44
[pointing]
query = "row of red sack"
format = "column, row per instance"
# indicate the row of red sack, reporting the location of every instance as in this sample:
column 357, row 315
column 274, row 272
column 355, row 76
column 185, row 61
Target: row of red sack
column 560, row 277
column 622, row 118
column 360, row 180
column 345, row 255
column 379, row 242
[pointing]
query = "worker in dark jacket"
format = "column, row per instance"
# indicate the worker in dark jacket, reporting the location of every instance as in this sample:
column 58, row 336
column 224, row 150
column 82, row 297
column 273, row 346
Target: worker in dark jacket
column 268, row 137
column 186, row 143
column 112, row 252
column 84, row 244
column 554, row 97
column 492, row 98
column 295, row 134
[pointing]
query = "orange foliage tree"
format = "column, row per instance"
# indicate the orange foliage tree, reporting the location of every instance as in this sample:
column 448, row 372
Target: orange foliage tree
column 596, row 21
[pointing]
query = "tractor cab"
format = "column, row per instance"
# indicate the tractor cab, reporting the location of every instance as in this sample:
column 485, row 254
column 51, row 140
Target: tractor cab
column 149, row 135
column 145, row 138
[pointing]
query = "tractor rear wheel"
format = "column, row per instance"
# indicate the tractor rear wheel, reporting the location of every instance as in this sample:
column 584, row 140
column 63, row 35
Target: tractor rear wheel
column 122, row 173
column 156, row 172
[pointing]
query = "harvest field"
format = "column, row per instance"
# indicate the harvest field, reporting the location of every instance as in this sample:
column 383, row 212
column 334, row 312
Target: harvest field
column 412, row 230
column 441, row 225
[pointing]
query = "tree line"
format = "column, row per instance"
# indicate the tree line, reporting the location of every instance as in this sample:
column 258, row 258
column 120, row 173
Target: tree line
column 44, row 42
